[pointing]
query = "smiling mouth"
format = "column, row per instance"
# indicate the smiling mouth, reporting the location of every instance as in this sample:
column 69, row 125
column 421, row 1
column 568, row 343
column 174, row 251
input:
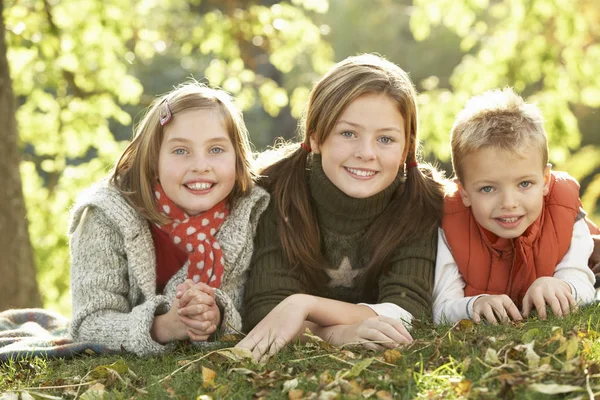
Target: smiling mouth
column 361, row 172
column 509, row 220
column 199, row 185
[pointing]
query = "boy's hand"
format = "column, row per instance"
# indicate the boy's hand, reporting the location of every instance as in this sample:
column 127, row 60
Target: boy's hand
column 551, row 291
column 197, row 309
column 495, row 308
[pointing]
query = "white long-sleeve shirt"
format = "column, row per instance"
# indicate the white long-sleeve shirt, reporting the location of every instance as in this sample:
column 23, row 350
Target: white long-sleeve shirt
column 450, row 304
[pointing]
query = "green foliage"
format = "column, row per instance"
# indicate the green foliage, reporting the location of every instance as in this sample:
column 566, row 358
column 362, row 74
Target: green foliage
column 74, row 64
column 548, row 50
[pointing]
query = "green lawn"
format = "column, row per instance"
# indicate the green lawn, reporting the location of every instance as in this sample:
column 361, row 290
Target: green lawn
column 557, row 358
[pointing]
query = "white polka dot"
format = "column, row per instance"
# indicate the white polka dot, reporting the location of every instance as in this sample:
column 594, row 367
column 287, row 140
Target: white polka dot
column 209, row 272
column 214, row 278
column 216, row 245
column 177, row 239
column 187, row 219
column 204, row 222
column 222, row 261
column 212, row 257
column 216, row 214
column 222, row 215
column 196, row 278
column 189, row 247
column 177, row 221
column 202, row 236
column 191, row 230
column 200, row 265
column 166, row 209
column 157, row 194
column 201, row 248
column 213, row 231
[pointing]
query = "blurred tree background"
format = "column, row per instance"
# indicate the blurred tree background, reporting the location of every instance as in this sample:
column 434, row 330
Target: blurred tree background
column 82, row 71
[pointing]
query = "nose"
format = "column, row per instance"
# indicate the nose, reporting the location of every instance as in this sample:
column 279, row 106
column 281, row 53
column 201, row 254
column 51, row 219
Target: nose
column 201, row 164
column 365, row 150
column 509, row 200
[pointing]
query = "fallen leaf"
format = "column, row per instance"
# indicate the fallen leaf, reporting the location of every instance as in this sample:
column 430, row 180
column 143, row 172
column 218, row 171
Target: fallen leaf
column 289, row 385
column 236, row 353
column 295, row 394
column 464, row 325
column 463, row 387
column 208, row 378
column 96, row 391
column 368, row 393
column 384, row 395
column 242, row 371
column 359, row 367
column 392, row 356
column 491, row 357
column 554, row 388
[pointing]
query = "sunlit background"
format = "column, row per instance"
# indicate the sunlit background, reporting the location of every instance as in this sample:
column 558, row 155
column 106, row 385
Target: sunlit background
column 82, row 72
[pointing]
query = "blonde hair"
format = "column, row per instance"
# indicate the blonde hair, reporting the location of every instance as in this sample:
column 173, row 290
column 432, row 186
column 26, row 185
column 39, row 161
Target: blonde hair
column 498, row 119
column 136, row 172
column 416, row 206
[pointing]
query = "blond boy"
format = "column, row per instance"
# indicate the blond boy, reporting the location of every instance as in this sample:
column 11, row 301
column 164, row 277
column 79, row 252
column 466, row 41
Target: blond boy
column 514, row 237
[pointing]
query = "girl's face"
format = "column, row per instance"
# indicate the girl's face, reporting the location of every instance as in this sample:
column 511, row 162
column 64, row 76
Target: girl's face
column 196, row 163
column 363, row 153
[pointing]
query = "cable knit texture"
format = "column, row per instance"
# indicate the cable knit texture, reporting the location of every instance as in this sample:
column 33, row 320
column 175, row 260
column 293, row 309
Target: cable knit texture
column 343, row 221
column 113, row 270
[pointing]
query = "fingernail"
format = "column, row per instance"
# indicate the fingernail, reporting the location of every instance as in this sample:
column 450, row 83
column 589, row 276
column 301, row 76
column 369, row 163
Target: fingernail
column 178, row 293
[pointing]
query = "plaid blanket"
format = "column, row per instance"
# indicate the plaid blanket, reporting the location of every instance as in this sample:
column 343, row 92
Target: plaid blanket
column 37, row 332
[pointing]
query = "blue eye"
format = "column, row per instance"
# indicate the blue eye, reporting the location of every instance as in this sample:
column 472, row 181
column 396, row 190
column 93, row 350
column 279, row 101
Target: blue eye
column 180, row 152
column 525, row 184
column 486, row 189
column 216, row 150
column 386, row 139
column 347, row 134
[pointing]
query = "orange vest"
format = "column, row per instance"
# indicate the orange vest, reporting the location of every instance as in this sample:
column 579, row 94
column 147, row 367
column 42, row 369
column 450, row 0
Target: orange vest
column 493, row 265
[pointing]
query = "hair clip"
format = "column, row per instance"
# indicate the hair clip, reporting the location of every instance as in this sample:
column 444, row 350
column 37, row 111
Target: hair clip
column 411, row 164
column 305, row 147
column 164, row 113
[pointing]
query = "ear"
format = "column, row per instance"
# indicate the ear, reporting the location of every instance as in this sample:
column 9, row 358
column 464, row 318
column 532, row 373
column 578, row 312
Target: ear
column 547, row 172
column 463, row 194
column 314, row 146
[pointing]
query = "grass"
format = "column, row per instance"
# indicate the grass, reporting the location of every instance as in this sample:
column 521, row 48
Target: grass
column 557, row 358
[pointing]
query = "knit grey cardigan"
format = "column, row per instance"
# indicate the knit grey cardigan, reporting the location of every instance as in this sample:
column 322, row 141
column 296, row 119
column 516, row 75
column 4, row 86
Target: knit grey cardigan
column 113, row 269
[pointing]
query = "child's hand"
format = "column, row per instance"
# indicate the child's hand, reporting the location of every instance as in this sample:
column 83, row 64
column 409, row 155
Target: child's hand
column 277, row 329
column 169, row 327
column 197, row 309
column 377, row 333
column 495, row 308
column 552, row 291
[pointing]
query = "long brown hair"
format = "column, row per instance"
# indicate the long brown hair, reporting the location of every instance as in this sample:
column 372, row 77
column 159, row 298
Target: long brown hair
column 416, row 207
column 136, row 171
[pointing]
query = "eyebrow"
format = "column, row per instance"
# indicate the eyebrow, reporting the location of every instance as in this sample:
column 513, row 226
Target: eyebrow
column 357, row 125
column 217, row 139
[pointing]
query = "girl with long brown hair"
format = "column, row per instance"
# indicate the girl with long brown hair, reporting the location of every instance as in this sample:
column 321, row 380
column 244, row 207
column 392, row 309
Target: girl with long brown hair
column 347, row 246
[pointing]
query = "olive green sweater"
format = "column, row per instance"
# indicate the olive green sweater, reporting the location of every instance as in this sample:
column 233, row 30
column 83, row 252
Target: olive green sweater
column 343, row 222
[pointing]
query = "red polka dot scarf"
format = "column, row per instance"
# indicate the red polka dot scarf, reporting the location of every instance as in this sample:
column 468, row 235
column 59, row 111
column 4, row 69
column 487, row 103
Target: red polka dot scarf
column 196, row 235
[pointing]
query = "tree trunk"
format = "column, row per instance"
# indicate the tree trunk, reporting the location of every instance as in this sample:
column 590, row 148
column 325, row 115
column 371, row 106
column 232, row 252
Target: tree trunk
column 18, row 284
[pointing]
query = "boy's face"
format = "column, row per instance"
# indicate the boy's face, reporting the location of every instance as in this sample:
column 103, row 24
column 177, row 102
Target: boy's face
column 505, row 191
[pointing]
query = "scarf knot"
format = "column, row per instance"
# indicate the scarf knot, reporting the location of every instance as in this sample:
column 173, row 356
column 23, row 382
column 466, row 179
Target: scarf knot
column 196, row 235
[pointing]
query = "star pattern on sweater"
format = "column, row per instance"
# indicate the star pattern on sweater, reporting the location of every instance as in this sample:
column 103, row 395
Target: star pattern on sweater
column 343, row 276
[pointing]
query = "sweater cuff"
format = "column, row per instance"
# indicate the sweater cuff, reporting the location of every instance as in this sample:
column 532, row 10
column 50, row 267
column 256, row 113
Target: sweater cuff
column 391, row 310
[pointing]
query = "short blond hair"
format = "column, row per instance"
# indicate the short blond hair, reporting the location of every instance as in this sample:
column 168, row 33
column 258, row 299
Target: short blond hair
column 136, row 171
column 498, row 119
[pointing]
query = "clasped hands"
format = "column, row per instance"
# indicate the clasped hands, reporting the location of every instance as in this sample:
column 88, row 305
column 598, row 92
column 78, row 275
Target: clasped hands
column 543, row 291
column 193, row 315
